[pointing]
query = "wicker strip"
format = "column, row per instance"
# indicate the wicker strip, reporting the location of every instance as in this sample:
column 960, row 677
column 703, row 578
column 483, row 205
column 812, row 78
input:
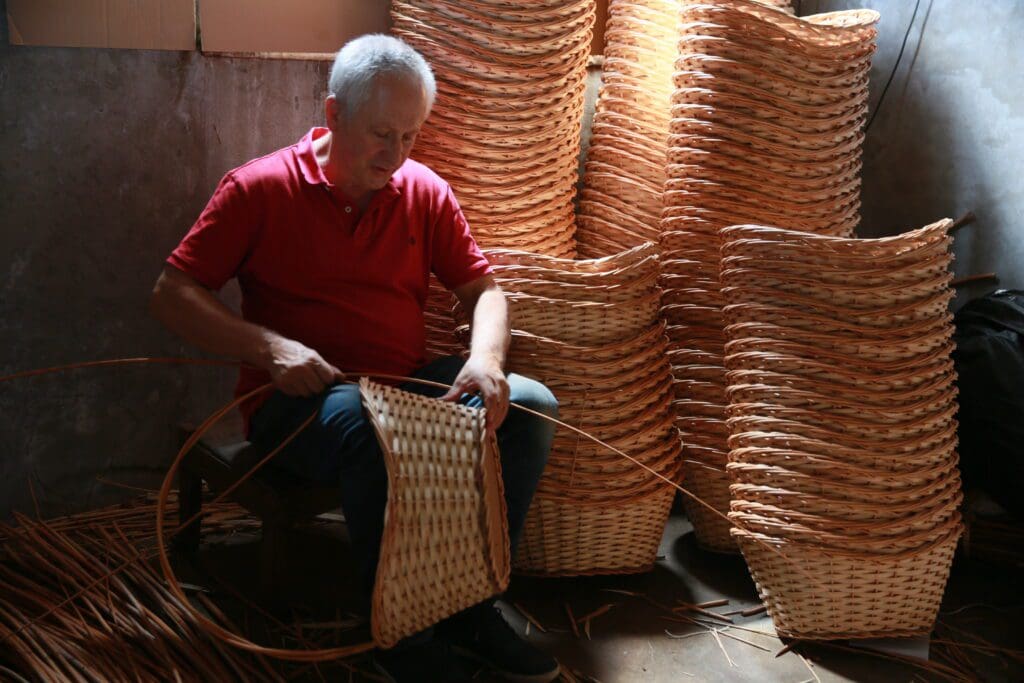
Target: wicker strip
column 446, row 536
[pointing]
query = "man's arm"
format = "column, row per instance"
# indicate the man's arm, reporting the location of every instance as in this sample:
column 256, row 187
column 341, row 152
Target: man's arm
column 194, row 313
column 484, row 370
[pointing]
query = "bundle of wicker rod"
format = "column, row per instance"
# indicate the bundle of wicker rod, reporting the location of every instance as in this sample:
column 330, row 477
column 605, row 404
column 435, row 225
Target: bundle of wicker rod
column 842, row 400
column 766, row 128
column 621, row 197
column 589, row 330
column 505, row 128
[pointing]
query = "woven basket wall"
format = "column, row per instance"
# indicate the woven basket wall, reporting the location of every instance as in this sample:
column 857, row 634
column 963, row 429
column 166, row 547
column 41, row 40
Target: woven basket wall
column 590, row 330
column 444, row 485
column 766, row 127
column 842, row 399
column 505, row 127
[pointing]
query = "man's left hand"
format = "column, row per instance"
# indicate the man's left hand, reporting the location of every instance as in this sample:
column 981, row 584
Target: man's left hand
column 483, row 376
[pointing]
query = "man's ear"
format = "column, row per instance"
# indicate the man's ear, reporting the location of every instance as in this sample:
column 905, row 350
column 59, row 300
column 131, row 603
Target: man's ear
column 332, row 107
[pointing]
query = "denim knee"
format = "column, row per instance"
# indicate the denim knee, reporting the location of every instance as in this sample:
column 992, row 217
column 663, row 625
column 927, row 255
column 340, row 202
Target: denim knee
column 531, row 394
column 345, row 429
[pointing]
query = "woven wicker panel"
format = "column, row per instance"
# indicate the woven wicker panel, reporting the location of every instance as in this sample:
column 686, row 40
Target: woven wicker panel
column 766, row 128
column 505, row 128
column 626, row 157
column 445, row 545
column 842, row 404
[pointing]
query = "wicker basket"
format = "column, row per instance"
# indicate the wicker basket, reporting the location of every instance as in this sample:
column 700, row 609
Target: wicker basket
column 710, row 484
column 563, row 539
column 852, row 595
column 625, row 166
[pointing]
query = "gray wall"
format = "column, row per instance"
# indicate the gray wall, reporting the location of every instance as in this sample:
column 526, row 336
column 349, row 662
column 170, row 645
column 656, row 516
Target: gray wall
column 109, row 155
column 107, row 158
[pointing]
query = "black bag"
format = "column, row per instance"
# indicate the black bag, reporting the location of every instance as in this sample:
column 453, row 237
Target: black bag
column 989, row 359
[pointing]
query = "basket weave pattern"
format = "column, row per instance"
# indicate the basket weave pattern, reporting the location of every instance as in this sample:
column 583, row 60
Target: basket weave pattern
column 766, row 118
column 843, row 432
column 445, row 544
column 589, row 330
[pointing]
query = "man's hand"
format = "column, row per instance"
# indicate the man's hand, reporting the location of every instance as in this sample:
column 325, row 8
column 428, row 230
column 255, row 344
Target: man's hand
column 484, row 375
column 194, row 313
column 298, row 370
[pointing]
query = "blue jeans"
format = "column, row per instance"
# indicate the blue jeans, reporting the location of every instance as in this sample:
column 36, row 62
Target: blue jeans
column 340, row 445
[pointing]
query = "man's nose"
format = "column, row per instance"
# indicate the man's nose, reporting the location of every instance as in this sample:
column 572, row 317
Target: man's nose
column 396, row 150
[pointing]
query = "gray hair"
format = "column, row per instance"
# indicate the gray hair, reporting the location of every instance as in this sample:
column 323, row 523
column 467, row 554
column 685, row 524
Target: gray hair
column 363, row 59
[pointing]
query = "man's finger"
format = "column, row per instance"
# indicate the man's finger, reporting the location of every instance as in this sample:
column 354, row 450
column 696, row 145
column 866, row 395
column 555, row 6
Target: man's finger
column 499, row 414
column 454, row 393
column 460, row 387
column 324, row 372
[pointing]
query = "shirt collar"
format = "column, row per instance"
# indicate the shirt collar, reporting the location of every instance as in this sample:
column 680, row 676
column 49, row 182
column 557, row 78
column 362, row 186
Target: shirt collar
column 314, row 174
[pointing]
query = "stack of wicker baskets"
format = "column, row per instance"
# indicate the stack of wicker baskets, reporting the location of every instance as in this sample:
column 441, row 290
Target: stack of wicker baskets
column 766, row 128
column 842, row 402
column 621, row 198
column 590, row 331
column 505, row 128
column 783, row 5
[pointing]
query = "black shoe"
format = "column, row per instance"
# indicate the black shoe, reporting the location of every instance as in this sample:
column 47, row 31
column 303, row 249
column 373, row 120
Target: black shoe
column 429, row 662
column 482, row 633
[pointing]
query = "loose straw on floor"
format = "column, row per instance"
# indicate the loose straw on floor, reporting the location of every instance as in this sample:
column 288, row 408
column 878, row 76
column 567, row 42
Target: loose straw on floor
column 216, row 630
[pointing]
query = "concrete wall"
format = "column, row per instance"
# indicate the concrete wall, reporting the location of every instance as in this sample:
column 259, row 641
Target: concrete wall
column 109, row 155
column 107, row 158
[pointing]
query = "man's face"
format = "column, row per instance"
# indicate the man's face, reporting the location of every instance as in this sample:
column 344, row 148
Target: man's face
column 372, row 143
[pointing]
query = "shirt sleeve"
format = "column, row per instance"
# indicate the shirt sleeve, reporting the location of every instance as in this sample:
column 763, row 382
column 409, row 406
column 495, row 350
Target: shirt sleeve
column 216, row 247
column 456, row 258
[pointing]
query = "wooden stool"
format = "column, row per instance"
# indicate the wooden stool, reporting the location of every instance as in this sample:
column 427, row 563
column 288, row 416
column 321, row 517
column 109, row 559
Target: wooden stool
column 278, row 504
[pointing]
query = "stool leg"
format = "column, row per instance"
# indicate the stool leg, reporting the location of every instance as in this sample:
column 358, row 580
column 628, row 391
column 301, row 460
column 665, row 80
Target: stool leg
column 273, row 552
column 190, row 503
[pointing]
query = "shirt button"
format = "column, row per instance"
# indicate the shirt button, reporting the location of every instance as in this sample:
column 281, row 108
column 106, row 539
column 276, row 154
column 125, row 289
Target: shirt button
column 348, row 209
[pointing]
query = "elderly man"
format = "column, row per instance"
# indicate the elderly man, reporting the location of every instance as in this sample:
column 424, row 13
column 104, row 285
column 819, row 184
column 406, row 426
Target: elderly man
column 332, row 241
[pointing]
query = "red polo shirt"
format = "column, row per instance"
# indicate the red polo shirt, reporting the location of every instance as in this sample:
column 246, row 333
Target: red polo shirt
column 354, row 291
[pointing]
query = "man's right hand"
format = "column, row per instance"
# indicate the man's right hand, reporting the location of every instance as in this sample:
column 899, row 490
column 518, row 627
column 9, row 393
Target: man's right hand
column 297, row 370
column 193, row 312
